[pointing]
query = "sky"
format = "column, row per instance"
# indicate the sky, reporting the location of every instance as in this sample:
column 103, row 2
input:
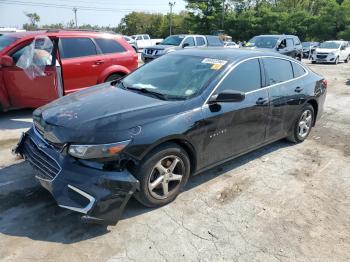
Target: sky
column 95, row 12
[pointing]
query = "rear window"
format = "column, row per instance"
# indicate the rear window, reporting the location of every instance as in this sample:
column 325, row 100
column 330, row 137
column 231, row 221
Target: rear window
column 6, row 40
column 298, row 70
column 108, row 46
column 200, row 41
column 77, row 47
column 278, row 70
column 214, row 41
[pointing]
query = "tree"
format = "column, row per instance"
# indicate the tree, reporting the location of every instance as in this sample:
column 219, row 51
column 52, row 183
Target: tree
column 34, row 18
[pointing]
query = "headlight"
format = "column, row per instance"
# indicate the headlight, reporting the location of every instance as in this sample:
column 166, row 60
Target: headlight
column 161, row 52
column 332, row 54
column 97, row 151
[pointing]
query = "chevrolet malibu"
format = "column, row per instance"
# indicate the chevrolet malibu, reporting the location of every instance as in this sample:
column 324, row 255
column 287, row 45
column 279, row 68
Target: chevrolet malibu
column 183, row 113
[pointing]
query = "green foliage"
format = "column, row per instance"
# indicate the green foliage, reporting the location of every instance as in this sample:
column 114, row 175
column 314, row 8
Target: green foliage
column 243, row 19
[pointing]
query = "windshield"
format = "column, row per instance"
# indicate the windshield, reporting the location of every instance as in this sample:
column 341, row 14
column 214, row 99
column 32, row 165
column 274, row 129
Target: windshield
column 175, row 76
column 6, row 40
column 173, row 40
column 330, row 45
column 263, row 41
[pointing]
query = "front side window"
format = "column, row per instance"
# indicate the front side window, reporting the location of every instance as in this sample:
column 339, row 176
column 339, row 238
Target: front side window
column 245, row 77
column 109, row 46
column 189, row 41
column 77, row 47
column 16, row 55
column 146, row 37
column 290, row 42
column 175, row 76
column 200, row 41
column 277, row 70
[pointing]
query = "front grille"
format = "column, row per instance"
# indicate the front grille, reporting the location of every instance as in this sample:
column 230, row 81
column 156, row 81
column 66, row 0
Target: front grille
column 322, row 55
column 46, row 166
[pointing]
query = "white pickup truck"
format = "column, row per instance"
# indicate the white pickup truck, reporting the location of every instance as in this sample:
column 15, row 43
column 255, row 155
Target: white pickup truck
column 144, row 41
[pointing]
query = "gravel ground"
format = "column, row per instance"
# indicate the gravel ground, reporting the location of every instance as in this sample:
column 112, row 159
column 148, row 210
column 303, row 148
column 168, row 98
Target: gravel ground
column 283, row 202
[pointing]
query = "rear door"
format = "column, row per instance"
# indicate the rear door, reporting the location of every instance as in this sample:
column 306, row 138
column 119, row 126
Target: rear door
column 31, row 80
column 284, row 96
column 233, row 128
column 80, row 61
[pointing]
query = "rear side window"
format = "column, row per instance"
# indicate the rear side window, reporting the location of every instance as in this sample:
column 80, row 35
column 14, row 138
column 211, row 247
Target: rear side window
column 277, row 70
column 200, row 41
column 214, row 41
column 245, row 77
column 77, row 47
column 298, row 70
column 108, row 46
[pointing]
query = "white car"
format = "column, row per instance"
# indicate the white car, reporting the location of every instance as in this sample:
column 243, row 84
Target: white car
column 144, row 41
column 332, row 52
column 230, row 44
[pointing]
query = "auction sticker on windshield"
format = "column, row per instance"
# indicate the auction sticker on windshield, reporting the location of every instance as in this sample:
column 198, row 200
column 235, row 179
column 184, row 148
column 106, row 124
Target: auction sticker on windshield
column 216, row 63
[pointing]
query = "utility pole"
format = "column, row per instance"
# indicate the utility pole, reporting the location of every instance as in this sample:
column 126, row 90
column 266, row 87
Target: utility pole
column 75, row 15
column 171, row 4
column 223, row 15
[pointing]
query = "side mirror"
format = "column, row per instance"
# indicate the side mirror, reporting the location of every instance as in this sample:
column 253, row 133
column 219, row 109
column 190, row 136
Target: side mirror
column 6, row 61
column 227, row 96
column 185, row 45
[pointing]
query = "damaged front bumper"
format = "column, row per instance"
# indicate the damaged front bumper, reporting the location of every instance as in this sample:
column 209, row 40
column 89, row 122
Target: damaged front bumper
column 99, row 195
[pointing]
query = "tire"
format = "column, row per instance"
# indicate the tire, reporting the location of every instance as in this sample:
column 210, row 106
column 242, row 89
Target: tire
column 347, row 59
column 313, row 62
column 299, row 57
column 157, row 170
column 113, row 77
column 336, row 61
column 299, row 135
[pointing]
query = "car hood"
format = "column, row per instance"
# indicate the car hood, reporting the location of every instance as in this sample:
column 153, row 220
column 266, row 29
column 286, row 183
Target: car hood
column 101, row 114
column 326, row 50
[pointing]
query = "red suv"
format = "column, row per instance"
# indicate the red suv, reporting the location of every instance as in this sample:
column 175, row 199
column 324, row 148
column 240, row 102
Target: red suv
column 38, row 67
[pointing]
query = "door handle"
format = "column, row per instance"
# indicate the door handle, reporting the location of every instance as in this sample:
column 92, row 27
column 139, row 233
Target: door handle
column 298, row 89
column 99, row 62
column 261, row 101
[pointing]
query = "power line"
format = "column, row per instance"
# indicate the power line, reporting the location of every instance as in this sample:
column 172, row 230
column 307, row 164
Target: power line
column 80, row 7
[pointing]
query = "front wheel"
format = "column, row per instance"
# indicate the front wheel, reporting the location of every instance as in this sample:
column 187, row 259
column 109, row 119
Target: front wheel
column 347, row 59
column 336, row 61
column 303, row 125
column 162, row 175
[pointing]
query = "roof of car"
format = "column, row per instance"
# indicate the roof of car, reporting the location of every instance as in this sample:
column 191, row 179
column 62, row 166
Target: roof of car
column 279, row 36
column 229, row 54
column 30, row 34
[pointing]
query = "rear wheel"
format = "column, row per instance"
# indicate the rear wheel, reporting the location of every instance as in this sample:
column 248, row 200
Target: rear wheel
column 303, row 124
column 162, row 175
column 113, row 77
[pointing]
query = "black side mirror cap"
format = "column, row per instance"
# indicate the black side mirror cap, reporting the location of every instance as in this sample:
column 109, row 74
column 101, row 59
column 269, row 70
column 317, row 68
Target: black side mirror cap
column 227, row 96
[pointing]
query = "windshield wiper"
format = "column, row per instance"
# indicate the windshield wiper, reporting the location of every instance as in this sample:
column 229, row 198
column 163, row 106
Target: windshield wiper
column 146, row 91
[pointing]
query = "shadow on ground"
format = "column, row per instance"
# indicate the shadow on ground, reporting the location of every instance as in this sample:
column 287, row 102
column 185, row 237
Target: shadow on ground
column 16, row 119
column 33, row 213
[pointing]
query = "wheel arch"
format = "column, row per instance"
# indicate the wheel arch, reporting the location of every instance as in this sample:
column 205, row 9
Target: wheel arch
column 314, row 104
column 183, row 143
column 116, row 69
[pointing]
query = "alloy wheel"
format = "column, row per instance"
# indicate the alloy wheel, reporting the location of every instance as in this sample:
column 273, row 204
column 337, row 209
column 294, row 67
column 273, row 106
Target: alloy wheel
column 305, row 124
column 166, row 177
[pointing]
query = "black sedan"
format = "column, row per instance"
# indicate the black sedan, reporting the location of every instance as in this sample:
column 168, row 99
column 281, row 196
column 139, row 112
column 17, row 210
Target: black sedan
column 181, row 114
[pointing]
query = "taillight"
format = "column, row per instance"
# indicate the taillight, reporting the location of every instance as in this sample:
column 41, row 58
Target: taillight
column 325, row 83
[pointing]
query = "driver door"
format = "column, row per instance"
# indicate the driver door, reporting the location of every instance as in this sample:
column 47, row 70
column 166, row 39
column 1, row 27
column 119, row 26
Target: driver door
column 31, row 80
column 233, row 128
